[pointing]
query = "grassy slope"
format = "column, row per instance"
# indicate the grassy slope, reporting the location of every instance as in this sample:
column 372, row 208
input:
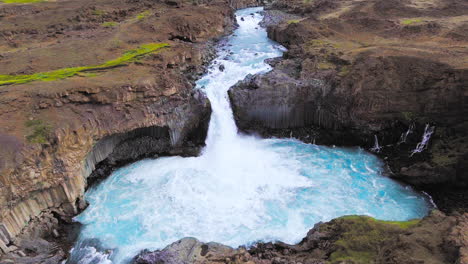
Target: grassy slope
column 128, row 57
column 362, row 238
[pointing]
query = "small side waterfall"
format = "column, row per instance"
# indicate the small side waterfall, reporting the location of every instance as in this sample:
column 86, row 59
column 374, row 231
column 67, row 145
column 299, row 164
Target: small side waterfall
column 421, row 146
column 376, row 148
column 404, row 136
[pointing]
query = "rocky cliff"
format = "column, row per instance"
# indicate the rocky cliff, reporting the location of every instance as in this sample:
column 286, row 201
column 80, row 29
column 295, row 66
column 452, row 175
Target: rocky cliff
column 95, row 84
column 390, row 76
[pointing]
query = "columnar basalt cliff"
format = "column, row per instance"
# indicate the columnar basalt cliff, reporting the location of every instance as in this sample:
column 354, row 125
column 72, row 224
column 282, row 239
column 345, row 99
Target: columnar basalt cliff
column 390, row 76
column 70, row 116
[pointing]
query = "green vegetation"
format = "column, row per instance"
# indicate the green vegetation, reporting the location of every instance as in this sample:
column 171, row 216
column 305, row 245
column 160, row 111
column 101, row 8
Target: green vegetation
column 128, row 57
column 109, row 24
column 362, row 237
column 98, row 12
column 294, row 21
column 409, row 116
column 21, row 1
column 410, row 21
column 143, row 15
column 39, row 131
column 325, row 66
column 344, row 70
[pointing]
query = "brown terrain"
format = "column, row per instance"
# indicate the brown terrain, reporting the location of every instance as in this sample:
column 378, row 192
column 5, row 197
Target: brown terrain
column 354, row 69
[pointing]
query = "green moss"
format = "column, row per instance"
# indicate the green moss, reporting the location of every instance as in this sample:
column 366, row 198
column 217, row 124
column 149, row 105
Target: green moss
column 143, row 15
column 408, row 116
column 21, row 1
column 109, row 24
column 39, row 131
column 294, row 21
column 344, row 70
column 361, row 237
column 325, row 66
column 410, row 21
column 98, row 12
column 400, row 224
column 128, row 57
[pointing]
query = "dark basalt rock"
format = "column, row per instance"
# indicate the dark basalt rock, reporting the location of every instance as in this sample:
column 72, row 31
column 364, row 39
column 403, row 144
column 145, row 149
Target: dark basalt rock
column 320, row 94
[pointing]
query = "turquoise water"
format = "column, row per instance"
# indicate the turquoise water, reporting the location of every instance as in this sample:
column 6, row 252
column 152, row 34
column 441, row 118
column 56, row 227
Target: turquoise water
column 242, row 189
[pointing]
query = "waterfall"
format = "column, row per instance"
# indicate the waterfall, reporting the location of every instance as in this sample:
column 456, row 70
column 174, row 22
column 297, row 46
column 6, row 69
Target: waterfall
column 241, row 189
column 404, row 136
column 421, row 146
column 376, row 148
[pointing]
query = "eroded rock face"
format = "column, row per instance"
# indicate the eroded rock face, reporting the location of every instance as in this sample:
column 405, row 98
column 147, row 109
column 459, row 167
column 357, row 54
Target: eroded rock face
column 184, row 251
column 351, row 239
column 353, row 73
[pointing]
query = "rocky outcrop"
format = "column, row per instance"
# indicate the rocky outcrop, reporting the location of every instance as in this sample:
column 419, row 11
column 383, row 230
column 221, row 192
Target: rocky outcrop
column 184, row 251
column 352, row 76
column 350, row 239
column 58, row 134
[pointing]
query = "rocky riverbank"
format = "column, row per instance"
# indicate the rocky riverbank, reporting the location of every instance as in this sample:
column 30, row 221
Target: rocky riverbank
column 350, row 239
column 390, row 76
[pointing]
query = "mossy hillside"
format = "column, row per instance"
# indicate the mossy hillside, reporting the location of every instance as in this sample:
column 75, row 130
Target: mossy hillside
column 38, row 131
column 361, row 238
column 126, row 58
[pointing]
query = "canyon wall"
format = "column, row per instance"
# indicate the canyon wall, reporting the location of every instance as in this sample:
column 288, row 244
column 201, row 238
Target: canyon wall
column 369, row 74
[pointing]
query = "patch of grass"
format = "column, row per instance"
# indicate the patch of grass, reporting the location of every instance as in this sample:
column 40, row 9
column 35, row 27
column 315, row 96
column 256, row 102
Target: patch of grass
column 294, row 21
column 409, row 116
column 109, row 24
column 325, row 66
column 39, row 131
column 361, row 237
column 319, row 44
column 344, row 70
column 410, row 21
column 400, row 224
column 98, row 12
column 129, row 56
column 143, row 15
column 21, row 1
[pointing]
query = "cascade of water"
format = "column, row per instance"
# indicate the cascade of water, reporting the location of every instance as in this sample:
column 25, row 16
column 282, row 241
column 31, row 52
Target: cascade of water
column 404, row 136
column 421, row 146
column 376, row 148
column 241, row 189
